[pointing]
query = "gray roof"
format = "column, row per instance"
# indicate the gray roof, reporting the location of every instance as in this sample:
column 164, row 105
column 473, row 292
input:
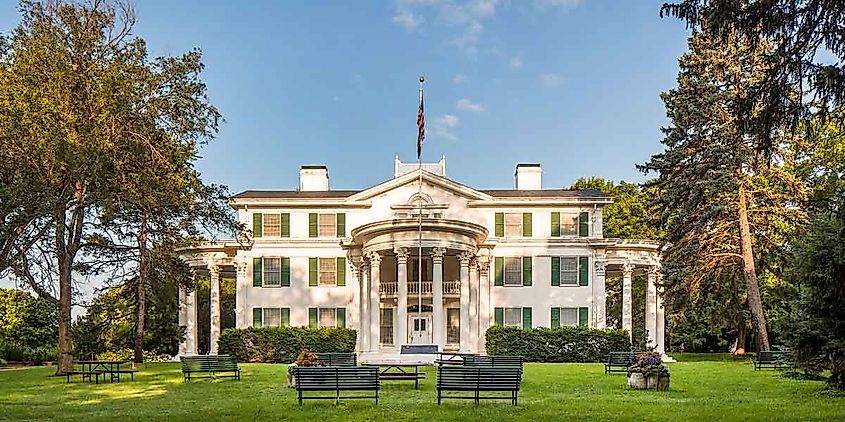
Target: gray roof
column 501, row 193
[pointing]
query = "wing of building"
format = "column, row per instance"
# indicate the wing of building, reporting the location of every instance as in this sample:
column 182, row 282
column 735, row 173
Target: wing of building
column 435, row 262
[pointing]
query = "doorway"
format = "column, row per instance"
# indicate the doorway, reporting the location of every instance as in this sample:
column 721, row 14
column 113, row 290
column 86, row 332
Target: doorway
column 419, row 328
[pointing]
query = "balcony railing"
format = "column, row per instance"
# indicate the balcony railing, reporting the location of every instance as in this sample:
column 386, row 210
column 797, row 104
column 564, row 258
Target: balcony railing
column 391, row 288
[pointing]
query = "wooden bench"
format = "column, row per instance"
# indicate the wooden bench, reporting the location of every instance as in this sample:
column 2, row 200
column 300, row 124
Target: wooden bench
column 452, row 358
column 495, row 361
column 774, row 359
column 85, row 375
column 618, row 362
column 478, row 379
column 338, row 359
column 418, row 349
column 337, row 379
column 210, row 365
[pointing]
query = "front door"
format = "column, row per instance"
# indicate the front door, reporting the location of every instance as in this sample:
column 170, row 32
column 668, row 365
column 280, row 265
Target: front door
column 419, row 328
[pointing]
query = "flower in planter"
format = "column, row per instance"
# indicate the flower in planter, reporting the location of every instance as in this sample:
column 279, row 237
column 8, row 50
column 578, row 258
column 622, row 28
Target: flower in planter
column 648, row 363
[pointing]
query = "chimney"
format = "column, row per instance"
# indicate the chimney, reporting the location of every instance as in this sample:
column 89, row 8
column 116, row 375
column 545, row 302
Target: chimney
column 313, row 178
column 528, row 177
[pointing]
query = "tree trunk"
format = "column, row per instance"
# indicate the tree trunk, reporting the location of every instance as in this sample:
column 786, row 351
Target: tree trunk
column 140, row 293
column 68, row 239
column 755, row 304
column 740, row 341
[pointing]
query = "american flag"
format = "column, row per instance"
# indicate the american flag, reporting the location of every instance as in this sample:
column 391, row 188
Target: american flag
column 420, row 124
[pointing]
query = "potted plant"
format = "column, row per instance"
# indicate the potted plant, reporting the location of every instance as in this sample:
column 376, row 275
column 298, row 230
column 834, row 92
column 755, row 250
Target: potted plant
column 305, row 358
column 647, row 371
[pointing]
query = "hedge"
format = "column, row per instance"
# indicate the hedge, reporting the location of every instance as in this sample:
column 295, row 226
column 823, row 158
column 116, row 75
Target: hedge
column 283, row 344
column 563, row 344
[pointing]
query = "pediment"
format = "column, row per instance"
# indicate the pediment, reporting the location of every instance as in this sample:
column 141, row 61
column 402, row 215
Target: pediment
column 429, row 179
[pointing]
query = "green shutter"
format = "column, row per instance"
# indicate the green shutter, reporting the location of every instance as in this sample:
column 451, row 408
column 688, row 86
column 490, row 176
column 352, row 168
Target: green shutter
column 500, row 224
column 312, row 224
column 526, row 318
column 555, row 271
column 583, row 271
column 257, row 230
column 583, row 224
column 341, row 271
column 312, row 317
column 256, row 317
column 555, row 318
column 527, row 231
column 285, row 272
column 499, row 316
column 284, row 219
column 526, row 271
column 341, row 317
column 257, row 264
column 583, row 317
column 341, row 224
column 499, row 264
column 312, row 272
column 285, row 317
column 555, row 224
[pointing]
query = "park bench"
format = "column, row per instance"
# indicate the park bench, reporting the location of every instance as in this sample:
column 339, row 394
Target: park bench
column 618, row 362
column 452, row 358
column 337, row 359
column 495, row 361
column 115, row 373
column 337, row 379
column 775, row 359
column 210, row 365
column 418, row 349
column 478, row 379
column 85, row 375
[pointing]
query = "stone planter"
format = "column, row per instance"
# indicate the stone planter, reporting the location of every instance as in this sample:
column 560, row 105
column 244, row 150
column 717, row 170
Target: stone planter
column 641, row 381
column 291, row 372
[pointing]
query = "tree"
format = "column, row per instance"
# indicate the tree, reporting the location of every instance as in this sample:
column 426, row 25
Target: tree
column 629, row 216
column 28, row 327
column 722, row 204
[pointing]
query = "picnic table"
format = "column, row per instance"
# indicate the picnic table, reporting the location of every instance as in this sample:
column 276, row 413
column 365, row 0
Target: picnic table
column 399, row 371
column 110, row 367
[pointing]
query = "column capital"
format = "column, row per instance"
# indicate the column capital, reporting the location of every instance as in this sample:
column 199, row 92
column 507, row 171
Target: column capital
column 653, row 271
column 214, row 270
column 437, row 254
column 374, row 258
column 402, row 255
column 466, row 258
column 600, row 267
column 241, row 267
column 628, row 269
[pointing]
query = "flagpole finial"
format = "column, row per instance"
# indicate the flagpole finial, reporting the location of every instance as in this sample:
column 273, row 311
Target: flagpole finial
column 422, row 78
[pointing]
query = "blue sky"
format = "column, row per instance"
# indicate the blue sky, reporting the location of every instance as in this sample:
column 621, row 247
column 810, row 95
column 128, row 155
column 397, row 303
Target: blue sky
column 571, row 84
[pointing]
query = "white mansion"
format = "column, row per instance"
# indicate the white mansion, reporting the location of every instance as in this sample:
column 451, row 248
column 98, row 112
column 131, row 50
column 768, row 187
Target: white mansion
column 523, row 257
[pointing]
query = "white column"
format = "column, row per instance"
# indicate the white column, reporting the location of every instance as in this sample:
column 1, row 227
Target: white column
column 375, row 305
column 483, row 301
column 651, row 307
column 627, row 300
column 464, row 259
column 473, row 306
column 401, row 323
column 363, row 306
column 214, row 305
column 438, row 318
column 183, row 315
column 242, row 313
column 599, row 294
column 660, row 345
column 353, row 314
column 191, row 322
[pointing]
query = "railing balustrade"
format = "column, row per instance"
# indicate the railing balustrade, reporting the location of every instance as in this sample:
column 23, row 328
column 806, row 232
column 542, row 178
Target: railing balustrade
column 391, row 288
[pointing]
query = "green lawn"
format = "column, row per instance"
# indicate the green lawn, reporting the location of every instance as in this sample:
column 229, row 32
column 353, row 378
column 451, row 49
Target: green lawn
column 700, row 390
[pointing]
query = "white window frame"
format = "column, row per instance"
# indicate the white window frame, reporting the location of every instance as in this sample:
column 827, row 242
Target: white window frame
column 509, row 265
column 513, row 224
column 510, row 323
column 265, row 318
column 331, row 228
column 569, row 230
column 387, row 330
column 569, row 273
column 573, row 311
column 267, row 225
column 333, row 314
column 324, row 276
column 265, row 272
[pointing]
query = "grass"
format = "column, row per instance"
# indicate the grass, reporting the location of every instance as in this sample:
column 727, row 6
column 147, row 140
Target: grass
column 699, row 391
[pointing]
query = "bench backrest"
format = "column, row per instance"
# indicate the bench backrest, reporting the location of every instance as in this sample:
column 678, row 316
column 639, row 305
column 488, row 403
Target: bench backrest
column 479, row 377
column 337, row 377
column 620, row 358
column 497, row 361
column 209, row 363
column 419, row 349
column 772, row 356
column 338, row 359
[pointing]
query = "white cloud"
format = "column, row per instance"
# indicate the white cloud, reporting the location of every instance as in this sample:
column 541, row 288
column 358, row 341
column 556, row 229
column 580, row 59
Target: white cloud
column 443, row 127
column 515, row 62
column 566, row 4
column 407, row 19
column 465, row 17
column 459, row 78
column 465, row 104
column 551, row 79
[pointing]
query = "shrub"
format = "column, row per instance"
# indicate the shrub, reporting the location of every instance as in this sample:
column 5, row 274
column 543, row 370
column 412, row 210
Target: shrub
column 283, row 344
column 129, row 354
column 563, row 344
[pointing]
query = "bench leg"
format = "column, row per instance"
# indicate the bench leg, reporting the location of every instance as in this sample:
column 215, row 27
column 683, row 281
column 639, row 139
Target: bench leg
column 300, row 397
column 477, row 401
column 438, row 397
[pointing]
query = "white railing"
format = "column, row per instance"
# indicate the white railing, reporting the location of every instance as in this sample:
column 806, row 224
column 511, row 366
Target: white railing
column 391, row 288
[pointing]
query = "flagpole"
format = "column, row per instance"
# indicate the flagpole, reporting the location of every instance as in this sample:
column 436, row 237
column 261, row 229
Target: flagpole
column 419, row 223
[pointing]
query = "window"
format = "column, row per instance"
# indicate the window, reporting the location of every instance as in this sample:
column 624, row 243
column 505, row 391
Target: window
column 272, row 272
column 453, row 325
column 414, row 265
column 569, row 317
column 568, row 224
column 327, row 225
column 569, row 271
column 513, row 271
column 386, row 326
column 513, row 224
column 513, row 317
column 271, row 317
column 328, row 318
column 328, row 271
column 272, row 225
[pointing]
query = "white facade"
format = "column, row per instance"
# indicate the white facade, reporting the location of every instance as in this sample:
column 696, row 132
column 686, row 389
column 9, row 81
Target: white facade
column 527, row 257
